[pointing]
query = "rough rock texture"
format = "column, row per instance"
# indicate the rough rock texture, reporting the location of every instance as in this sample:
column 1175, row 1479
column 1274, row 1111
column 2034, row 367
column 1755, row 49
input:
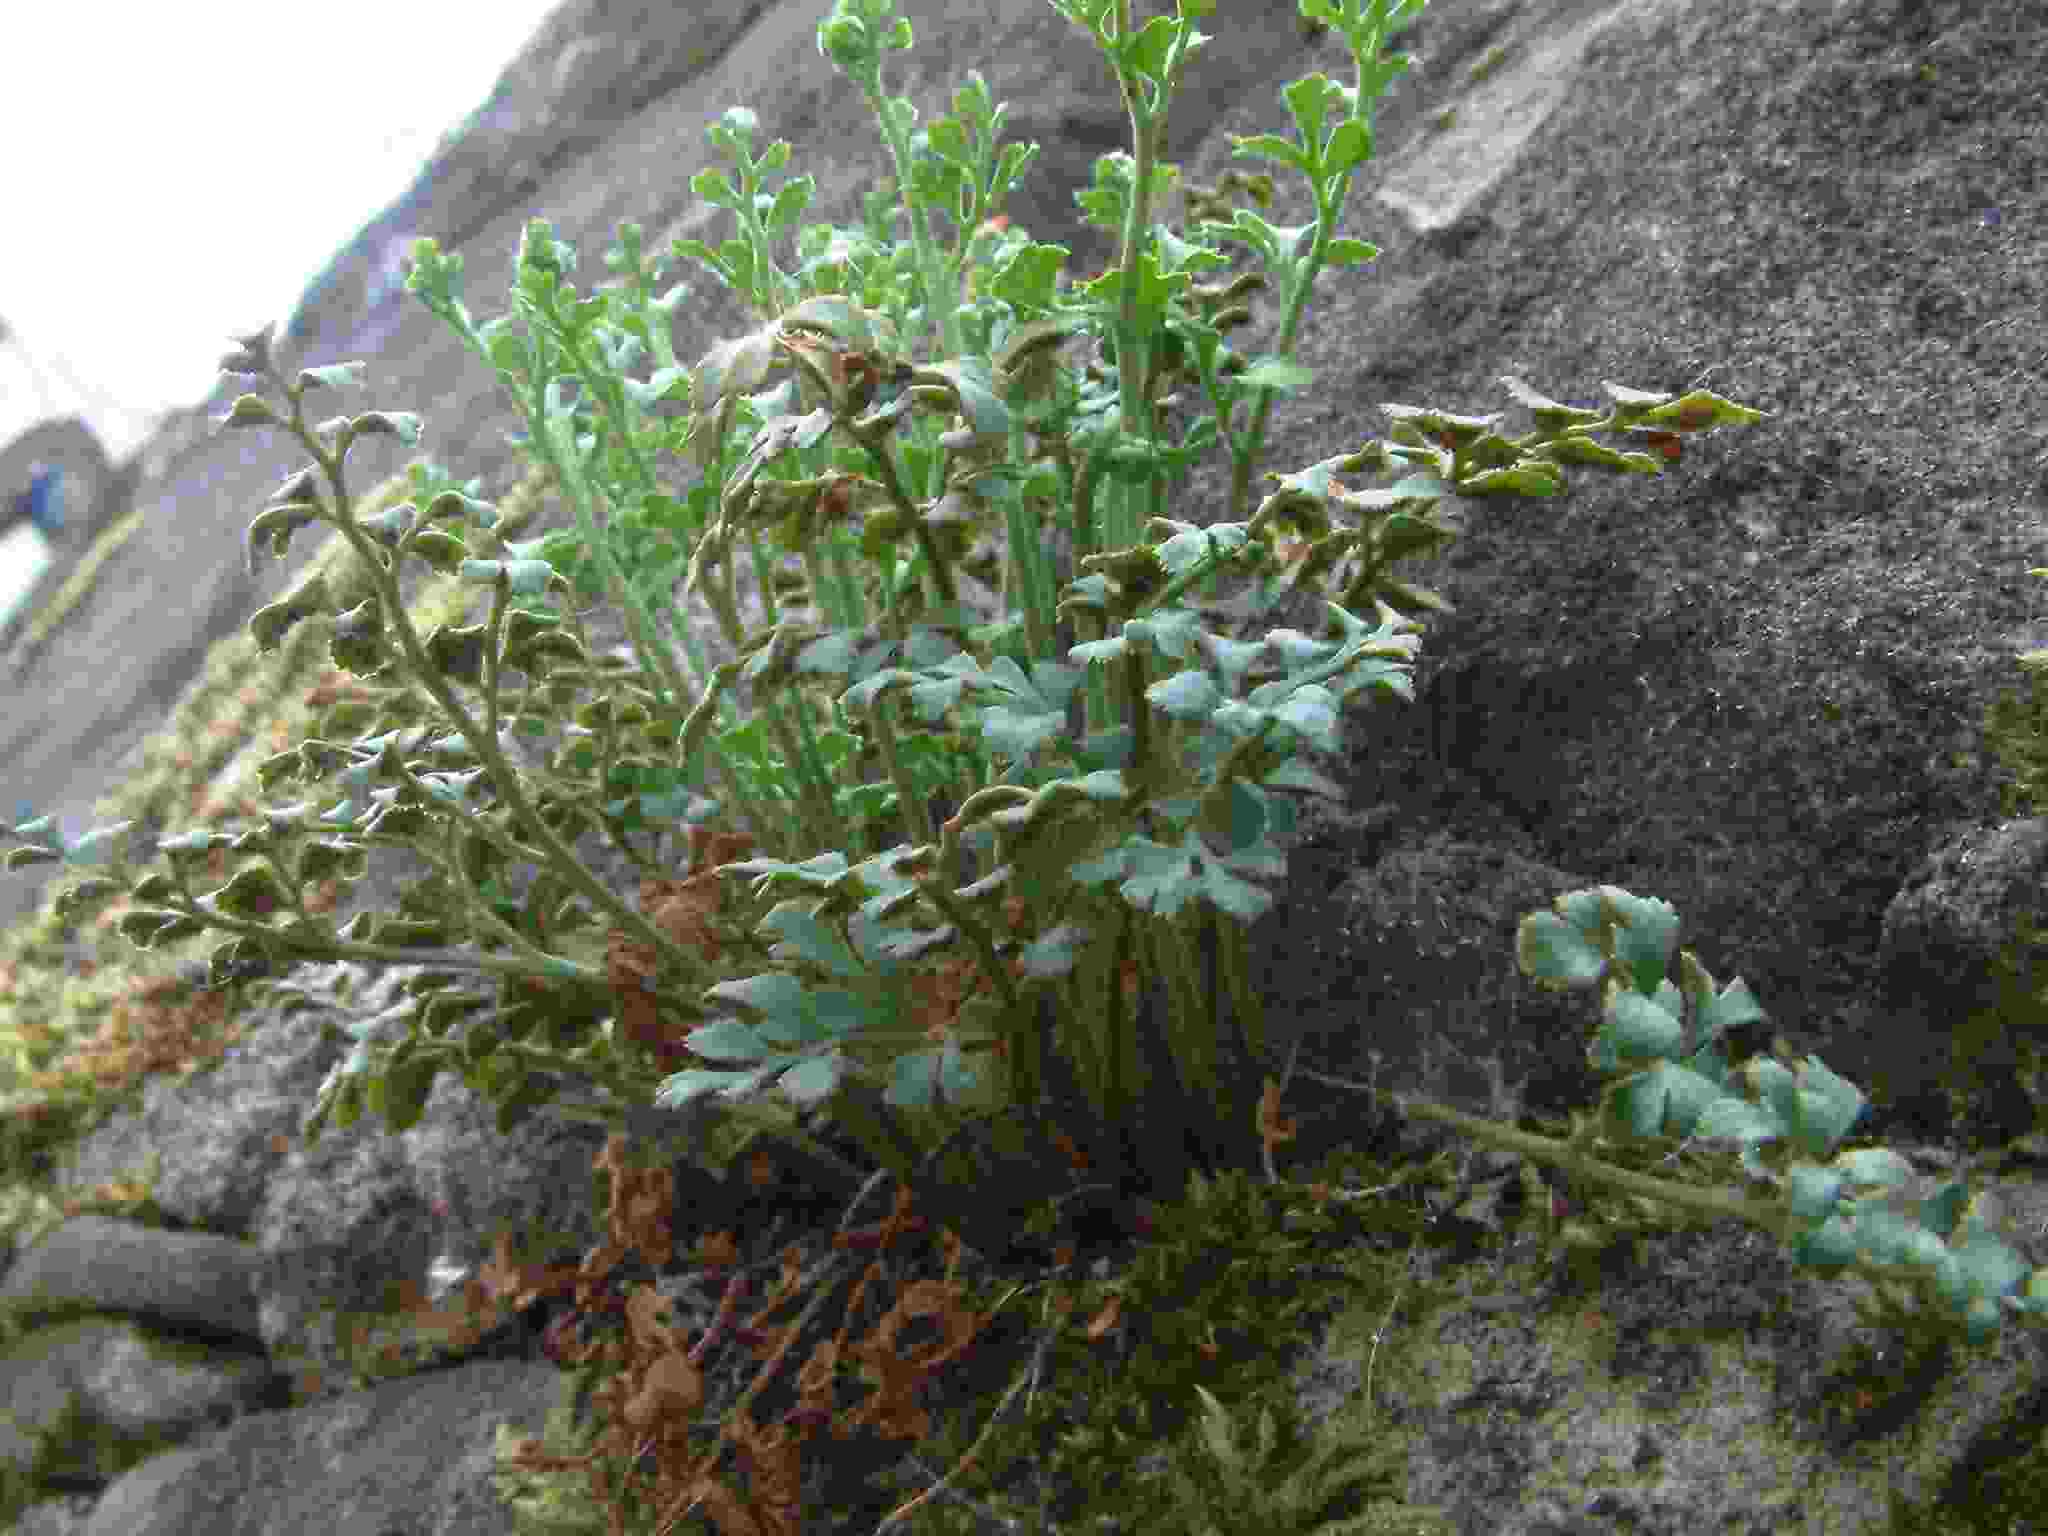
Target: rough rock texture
column 334, row 1216
column 573, row 91
column 1752, row 687
column 1744, row 686
column 1704, row 1372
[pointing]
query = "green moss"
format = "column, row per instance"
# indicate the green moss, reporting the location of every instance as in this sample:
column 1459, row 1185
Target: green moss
column 1492, row 60
column 49, row 1012
column 2016, row 729
column 545, row 1505
column 73, row 1448
column 1180, row 1415
column 1996, row 1490
column 243, row 702
column 1996, row 1082
column 80, row 582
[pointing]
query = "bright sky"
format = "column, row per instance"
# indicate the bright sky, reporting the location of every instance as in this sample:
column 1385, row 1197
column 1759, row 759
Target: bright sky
column 157, row 168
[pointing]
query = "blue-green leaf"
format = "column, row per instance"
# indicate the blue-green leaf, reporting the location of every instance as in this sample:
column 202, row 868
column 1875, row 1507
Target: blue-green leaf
column 1635, row 1029
column 812, row 1080
column 1942, row 1211
column 1828, row 1248
column 1055, row 953
column 1100, row 650
column 1190, row 545
column 1187, row 695
column 1664, row 1100
column 727, row 1040
column 812, row 940
column 1018, row 733
column 1811, row 1192
column 836, row 1013
column 1296, row 774
column 912, row 1082
column 770, row 992
column 1164, row 880
column 679, row 1089
column 1233, row 658
column 1829, row 1106
column 1870, row 1166
column 1311, row 710
column 1553, row 949
column 826, row 869
column 1738, row 1120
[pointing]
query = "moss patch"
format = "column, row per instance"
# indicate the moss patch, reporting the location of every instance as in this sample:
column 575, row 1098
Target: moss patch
column 1164, row 1400
column 85, row 1017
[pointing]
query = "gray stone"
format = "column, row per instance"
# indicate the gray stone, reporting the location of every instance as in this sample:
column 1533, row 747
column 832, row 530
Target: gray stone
column 1960, row 905
column 409, row 1456
column 186, row 1277
column 337, row 1222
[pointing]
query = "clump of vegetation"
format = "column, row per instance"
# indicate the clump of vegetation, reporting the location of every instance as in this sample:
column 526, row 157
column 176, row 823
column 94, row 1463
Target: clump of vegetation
column 1997, row 1079
column 85, row 1019
column 1048, row 970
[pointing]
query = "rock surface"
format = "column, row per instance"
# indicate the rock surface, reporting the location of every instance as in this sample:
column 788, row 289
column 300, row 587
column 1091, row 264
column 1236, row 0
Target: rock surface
column 1752, row 687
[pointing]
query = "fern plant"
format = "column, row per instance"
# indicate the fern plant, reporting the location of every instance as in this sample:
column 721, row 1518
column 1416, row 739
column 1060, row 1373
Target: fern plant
column 1272, row 1480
